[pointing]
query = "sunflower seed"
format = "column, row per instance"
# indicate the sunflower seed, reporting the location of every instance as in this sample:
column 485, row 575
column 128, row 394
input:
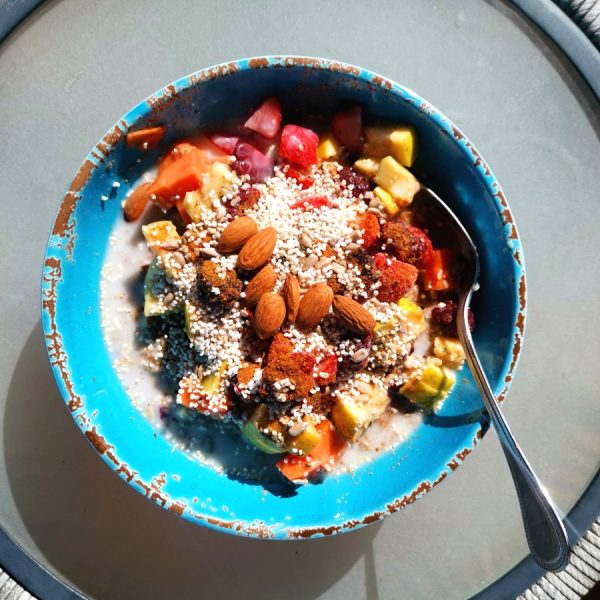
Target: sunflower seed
column 353, row 246
column 179, row 258
column 337, row 268
column 169, row 298
column 310, row 260
column 200, row 371
column 375, row 203
column 375, row 211
column 360, row 355
column 208, row 251
column 297, row 428
column 306, row 241
column 324, row 262
column 363, row 387
column 169, row 245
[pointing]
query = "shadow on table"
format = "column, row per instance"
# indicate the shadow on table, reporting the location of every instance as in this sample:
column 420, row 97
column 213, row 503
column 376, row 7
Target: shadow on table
column 112, row 543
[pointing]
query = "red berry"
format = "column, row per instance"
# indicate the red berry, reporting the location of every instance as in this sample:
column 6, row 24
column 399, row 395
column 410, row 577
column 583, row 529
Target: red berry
column 409, row 244
column 308, row 202
column 266, row 119
column 347, row 128
column 445, row 317
column 299, row 145
column 369, row 223
column 252, row 162
column 227, row 143
column 359, row 182
column 396, row 277
column 427, row 247
column 304, row 181
column 326, row 370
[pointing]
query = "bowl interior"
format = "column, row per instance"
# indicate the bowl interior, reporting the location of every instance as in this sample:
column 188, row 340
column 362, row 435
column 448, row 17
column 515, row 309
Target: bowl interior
column 446, row 162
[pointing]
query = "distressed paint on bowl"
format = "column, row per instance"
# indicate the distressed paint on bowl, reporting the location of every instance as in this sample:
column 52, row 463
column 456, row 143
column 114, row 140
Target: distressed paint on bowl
column 126, row 440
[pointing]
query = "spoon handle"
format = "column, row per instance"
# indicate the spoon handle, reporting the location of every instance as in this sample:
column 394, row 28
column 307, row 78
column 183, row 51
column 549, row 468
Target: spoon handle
column 545, row 532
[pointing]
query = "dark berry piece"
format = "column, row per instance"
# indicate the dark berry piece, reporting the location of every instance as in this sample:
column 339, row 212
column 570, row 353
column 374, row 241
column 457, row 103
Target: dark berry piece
column 358, row 180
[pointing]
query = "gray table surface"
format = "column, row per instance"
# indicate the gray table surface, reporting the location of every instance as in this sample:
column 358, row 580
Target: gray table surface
column 75, row 67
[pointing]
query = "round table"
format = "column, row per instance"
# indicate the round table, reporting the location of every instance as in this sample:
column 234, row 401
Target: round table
column 73, row 67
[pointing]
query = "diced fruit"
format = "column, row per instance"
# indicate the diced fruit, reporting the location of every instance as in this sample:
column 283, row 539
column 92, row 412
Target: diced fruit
column 252, row 162
column 390, row 207
column 445, row 317
column 326, row 370
column 427, row 247
column 252, row 431
column 429, row 385
column 308, row 202
column 398, row 181
column 161, row 236
column 145, row 139
column 449, row 350
column 439, row 273
column 328, row 148
column 352, row 415
column 304, row 181
column 347, row 127
column 180, row 176
column 277, row 436
column 414, row 314
column 216, row 182
column 396, row 141
column 299, row 145
column 227, row 143
column 208, row 149
column 324, row 454
column 185, row 217
column 136, row 202
column 266, row 119
column 201, row 394
column 407, row 246
column 153, row 306
column 369, row 224
column 367, row 166
column 396, row 277
column 360, row 184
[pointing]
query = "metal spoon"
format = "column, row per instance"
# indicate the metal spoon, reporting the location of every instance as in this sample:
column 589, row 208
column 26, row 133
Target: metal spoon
column 545, row 532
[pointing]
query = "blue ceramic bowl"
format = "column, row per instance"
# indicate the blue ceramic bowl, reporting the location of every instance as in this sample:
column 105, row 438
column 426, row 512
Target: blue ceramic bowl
column 127, row 442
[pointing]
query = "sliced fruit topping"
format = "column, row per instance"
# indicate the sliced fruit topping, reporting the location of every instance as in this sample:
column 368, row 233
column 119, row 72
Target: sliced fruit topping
column 328, row 148
column 266, row 119
column 440, row 273
column 399, row 182
column 356, row 182
column 347, row 127
column 371, row 229
column 394, row 140
column 429, row 385
column 324, row 455
column 312, row 201
column 304, row 181
column 145, row 139
column 326, row 370
column 299, row 145
column 227, row 143
column 396, row 277
column 252, row 162
column 200, row 395
column 353, row 414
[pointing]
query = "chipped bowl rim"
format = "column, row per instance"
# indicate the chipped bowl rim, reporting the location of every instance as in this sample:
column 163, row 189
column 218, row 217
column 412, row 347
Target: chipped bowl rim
column 62, row 241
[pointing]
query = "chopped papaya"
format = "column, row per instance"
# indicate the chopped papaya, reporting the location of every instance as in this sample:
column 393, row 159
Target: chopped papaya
column 145, row 139
column 136, row 202
column 181, row 175
column 439, row 272
column 330, row 447
column 182, row 212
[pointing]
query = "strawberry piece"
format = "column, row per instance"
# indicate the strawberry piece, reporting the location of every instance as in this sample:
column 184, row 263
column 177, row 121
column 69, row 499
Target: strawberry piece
column 266, row 119
column 304, row 181
column 396, row 277
column 299, row 145
column 227, row 143
column 369, row 223
column 305, row 361
column 252, row 162
column 326, row 370
column 347, row 128
column 308, row 202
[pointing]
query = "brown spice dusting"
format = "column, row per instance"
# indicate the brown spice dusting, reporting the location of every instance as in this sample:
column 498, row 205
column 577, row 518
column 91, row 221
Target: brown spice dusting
column 229, row 287
column 364, row 261
column 245, row 374
column 407, row 246
column 289, row 367
column 321, row 403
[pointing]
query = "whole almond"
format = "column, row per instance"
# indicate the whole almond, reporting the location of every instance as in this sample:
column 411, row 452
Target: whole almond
column 291, row 296
column 136, row 202
column 258, row 249
column 264, row 281
column 269, row 315
column 353, row 316
column 236, row 234
column 314, row 306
